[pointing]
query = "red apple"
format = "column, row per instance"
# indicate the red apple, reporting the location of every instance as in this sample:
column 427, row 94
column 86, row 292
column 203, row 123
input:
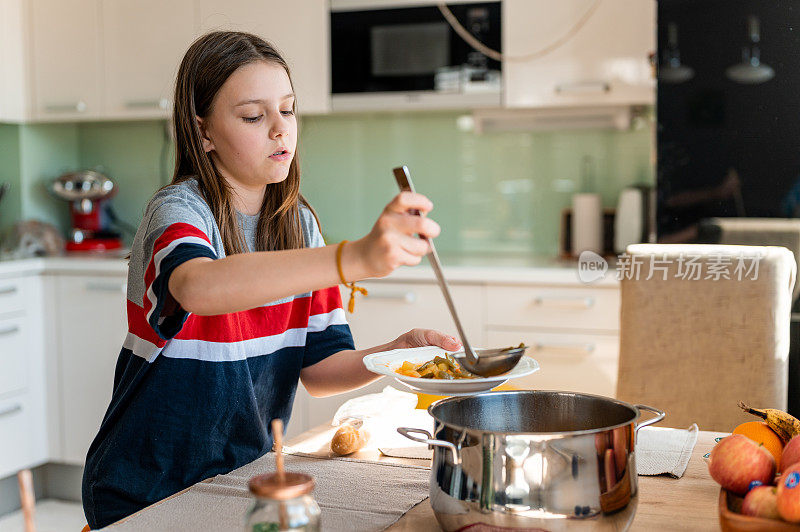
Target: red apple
column 737, row 460
column 791, row 453
column 761, row 501
column 789, row 494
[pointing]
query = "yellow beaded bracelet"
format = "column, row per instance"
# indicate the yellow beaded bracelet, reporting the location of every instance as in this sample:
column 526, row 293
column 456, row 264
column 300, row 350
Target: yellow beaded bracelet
column 351, row 305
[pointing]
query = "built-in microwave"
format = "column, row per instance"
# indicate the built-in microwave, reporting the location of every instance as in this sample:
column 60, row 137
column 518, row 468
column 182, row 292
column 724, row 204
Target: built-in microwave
column 409, row 53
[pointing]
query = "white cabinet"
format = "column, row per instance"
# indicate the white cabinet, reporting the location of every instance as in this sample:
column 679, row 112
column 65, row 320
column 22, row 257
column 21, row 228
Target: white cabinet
column 572, row 361
column 23, row 425
column 299, row 29
column 13, row 74
column 605, row 62
column 92, row 328
column 66, row 59
column 573, row 332
column 143, row 43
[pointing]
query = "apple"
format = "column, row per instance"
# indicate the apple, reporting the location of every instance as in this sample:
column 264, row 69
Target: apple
column 789, row 494
column 737, row 460
column 791, row 453
column 761, row 501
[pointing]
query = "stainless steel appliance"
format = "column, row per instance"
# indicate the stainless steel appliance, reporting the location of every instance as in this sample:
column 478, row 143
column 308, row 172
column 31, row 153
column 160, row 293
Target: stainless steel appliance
column 534, row 460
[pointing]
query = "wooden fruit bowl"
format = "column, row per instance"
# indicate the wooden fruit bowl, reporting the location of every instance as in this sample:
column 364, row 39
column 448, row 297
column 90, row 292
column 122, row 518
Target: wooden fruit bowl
column 732, row 520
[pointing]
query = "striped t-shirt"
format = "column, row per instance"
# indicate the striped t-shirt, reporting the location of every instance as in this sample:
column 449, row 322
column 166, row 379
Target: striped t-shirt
column 194, row 395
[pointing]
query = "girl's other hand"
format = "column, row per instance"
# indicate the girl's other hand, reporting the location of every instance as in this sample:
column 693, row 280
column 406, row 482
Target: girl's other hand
column 393, row 241
column 424, row 337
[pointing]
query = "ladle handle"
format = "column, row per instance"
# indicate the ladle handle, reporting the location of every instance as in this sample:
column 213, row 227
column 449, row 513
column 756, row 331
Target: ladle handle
column 403, row 179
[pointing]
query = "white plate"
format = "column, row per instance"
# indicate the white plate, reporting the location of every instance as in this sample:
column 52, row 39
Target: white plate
column 386, row 362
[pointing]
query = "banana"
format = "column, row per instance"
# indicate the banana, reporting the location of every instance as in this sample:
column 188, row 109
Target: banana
column 785, row 425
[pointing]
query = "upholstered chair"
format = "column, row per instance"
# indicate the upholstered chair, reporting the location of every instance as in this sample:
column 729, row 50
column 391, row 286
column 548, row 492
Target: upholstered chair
column 703, row 327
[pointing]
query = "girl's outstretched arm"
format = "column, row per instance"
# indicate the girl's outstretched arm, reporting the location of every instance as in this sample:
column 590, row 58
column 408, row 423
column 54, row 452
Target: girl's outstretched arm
column 344, row 370
column 243, row 281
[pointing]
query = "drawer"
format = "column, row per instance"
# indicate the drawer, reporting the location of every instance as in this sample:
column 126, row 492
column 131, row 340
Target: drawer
column 553, row 308
column 14, row 354
column 16, row 430
column 572, row 362
column 12, row 295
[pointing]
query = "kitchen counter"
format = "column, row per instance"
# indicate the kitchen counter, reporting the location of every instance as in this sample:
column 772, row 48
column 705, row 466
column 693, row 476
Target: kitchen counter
column 100, row 264
column 459, row 269
column 687, row 503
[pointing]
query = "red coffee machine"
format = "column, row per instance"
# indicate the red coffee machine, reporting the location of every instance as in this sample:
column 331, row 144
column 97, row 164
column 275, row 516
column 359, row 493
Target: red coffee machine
column 88, row 193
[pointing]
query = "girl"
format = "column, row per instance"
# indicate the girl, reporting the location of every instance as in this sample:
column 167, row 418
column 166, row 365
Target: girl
column 217, row 336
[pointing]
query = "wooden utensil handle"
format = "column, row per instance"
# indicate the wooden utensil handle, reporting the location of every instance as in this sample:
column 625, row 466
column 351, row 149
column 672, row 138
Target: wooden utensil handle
column 25, row 479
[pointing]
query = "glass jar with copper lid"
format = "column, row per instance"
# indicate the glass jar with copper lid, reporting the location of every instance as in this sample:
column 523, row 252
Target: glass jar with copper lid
column 282, row 504
column 282, row 499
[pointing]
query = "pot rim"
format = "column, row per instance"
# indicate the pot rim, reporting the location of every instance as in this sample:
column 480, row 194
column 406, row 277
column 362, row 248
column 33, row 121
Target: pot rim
column 637, row 413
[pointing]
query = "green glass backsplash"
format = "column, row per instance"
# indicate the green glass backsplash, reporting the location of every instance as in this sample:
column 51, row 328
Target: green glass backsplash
column 11, row 204
column 493, row 192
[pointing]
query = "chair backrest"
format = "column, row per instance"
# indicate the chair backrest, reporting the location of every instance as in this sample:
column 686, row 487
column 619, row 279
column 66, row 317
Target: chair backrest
column 703, row 327
column 784, row 232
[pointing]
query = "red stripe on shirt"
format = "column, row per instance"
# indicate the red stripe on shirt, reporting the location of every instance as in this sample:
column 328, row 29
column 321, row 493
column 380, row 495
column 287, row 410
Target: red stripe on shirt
column 176, row 231
column 326, row 300
column 137, row 324
column 248, row 324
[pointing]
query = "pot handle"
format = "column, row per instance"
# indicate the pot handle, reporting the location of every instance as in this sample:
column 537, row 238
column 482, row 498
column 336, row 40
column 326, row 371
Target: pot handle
column 659, row 416
column 407, row 431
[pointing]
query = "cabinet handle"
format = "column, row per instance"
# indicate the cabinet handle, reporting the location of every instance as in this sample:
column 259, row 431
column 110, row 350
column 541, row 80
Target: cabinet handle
column 160, row 103
column 583, row 87
column 407, row 296
column 79, row 107
column 107, row 287
column 580, row 301
column 587, row 348
column 9, row 330
column 11, row 410
column 8, row 290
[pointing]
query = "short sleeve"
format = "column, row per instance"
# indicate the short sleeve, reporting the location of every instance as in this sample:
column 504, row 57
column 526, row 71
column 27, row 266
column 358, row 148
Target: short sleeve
column 176, row 233
column 328, row 331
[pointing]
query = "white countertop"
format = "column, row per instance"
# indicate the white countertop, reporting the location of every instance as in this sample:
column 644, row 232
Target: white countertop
column 458, row 269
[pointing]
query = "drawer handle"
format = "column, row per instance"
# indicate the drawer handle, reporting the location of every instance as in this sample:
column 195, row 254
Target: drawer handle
column 587, row 348
column 584, row 87
column 407, row 296
column 9, row 330
column 107, row 287
column 161, row 103
column 11, row 410
column 8, row 290
column 78, row 107
column 579, row 301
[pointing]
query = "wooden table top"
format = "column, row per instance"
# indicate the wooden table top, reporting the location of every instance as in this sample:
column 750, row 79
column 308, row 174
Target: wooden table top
column 687, row 503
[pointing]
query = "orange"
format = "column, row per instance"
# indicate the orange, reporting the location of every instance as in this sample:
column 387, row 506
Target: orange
column 759, row 432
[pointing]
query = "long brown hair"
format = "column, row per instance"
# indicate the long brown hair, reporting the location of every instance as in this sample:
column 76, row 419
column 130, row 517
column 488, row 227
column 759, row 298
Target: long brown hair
column 208, row 63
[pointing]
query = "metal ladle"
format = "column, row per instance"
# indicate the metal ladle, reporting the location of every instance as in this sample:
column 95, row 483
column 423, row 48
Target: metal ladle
column 484, row 362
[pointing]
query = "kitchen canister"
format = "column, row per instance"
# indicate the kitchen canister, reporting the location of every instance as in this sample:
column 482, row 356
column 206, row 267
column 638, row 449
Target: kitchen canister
column 282, row 500
column 587, row 223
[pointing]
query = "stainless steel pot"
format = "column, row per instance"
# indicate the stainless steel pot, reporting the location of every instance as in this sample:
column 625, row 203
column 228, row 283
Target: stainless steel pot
column 534, row 460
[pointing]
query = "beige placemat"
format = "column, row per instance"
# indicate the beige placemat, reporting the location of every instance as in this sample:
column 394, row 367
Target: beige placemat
column 353, row 496
column 661, row 451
